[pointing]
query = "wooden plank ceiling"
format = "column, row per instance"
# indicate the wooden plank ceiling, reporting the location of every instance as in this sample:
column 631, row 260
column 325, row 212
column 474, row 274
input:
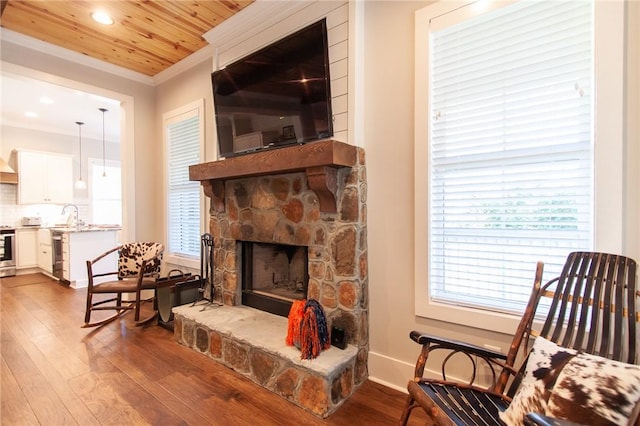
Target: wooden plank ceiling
column 147, row 36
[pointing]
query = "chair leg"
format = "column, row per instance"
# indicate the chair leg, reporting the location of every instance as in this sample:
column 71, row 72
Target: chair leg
column 87, row 312
column 137, row 310
column 408, row 407
column 93, row 306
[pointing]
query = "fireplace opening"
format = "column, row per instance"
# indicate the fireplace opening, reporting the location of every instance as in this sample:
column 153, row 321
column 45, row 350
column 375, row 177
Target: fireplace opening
column 273, row 276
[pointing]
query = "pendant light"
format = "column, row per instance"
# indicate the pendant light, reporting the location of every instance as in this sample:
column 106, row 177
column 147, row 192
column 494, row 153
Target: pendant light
column 104, row 168
column 80, row 184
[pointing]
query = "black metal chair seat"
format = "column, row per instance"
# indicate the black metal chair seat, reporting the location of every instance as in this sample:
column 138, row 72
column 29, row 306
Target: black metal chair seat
column 465, row 406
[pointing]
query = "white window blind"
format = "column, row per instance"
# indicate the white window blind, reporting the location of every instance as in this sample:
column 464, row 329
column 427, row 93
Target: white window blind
column 183, row 142
column 511, row 150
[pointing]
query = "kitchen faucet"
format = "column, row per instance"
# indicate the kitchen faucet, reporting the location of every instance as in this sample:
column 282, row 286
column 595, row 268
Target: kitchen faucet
column 77, row 220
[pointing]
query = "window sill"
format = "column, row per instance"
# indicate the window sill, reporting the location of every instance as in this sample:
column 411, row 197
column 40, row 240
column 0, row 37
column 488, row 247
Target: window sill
column 187, row 262
column 469, row 317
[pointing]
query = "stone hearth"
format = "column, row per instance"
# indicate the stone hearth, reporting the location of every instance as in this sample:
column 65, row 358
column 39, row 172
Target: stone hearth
column 251, row 342
column 312, row 195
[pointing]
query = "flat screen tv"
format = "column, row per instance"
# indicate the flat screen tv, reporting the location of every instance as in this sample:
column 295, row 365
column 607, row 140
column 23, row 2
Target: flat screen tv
column 277, row 96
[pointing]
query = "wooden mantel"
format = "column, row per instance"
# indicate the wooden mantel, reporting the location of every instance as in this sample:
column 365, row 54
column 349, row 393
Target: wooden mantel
column 319, row 160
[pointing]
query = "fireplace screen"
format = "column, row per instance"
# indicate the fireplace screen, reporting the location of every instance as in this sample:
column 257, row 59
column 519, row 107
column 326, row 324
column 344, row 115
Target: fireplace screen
column 273, row 276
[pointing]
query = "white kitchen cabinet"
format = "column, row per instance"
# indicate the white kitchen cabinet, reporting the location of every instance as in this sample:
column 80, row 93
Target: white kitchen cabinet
column 78, row 247
column 44, row 178
column 45, row 252
column 26, row 248
column 66, row 263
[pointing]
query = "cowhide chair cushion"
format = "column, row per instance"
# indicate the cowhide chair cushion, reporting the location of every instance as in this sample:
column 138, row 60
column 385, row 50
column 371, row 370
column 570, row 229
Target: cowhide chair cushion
column 544, row 364
column 596, row 391
column 132, row 255
column 545, row 359
column 575, row 386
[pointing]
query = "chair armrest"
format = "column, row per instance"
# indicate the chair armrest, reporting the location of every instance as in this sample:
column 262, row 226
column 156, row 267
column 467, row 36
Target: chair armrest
column 537, row 419
column 474, row 354
column 455, row 345
column 105, row 254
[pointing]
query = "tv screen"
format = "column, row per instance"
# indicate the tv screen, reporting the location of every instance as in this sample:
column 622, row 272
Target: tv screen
column 277, row 96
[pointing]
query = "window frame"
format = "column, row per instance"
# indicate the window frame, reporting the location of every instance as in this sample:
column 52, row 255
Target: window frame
column 608, row 149
column 195, row 108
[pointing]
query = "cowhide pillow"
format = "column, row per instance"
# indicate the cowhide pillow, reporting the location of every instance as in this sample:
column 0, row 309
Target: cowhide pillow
column 131, row 256
column 596, row 391
column 577, row 387
column 544, row 364
column 531, row 398
column 544, row 358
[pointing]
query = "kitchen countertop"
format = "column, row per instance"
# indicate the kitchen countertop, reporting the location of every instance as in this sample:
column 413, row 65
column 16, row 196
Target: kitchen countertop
column 71, row 229
column 87, row 228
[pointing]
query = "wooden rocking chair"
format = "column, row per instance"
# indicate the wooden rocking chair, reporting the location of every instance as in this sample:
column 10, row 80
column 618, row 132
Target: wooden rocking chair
column 592, row 310
column 138, row 268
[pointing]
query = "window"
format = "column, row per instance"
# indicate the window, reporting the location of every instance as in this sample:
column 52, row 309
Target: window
column 505, row 107
column 106, row 192
column 184, row 138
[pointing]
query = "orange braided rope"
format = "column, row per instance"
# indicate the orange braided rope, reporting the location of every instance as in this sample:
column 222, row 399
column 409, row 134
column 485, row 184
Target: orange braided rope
column 309, row 338
column 295, row 318
column 314, row 333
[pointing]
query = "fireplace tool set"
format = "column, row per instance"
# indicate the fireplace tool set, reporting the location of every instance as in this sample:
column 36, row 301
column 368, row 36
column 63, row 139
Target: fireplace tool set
column 206, row 289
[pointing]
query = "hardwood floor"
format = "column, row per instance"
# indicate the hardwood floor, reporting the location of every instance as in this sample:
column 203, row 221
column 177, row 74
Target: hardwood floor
column 56, row 373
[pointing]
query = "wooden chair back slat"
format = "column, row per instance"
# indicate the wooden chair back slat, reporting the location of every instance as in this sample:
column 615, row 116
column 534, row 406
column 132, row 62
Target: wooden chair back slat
column 597, row 304
column 592, row 308
column 631, row 295
column 619, row 302
column 594, row 278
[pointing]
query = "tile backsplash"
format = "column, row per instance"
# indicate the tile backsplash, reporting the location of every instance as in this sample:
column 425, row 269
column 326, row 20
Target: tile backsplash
column 11, row 212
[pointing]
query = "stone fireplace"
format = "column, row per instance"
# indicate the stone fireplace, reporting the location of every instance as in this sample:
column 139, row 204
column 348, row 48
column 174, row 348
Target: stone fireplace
column 303, row 202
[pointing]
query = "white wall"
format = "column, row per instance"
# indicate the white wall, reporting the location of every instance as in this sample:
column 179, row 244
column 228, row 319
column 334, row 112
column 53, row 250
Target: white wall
column 388, row 141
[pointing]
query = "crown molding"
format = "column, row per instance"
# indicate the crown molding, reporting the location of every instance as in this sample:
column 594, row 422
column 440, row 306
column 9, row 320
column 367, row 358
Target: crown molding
column 251, row 20
column 75, row 57
column 183, row 65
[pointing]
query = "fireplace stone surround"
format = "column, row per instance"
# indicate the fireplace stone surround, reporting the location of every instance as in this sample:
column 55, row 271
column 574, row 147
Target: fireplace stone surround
column 312, row 195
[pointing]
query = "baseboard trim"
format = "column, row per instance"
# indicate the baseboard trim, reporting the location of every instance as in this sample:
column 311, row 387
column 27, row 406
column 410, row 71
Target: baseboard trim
column 395, row 373
column 391, row 372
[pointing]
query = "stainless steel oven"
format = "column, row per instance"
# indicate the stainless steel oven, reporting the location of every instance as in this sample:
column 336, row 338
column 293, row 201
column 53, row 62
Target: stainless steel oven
column 7, row 252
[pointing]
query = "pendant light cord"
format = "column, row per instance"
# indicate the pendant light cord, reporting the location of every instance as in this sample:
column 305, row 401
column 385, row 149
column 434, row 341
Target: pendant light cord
column 80, row 123
column 80, row 183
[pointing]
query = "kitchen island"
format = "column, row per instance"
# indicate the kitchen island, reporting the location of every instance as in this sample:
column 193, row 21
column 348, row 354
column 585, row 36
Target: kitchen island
column 79, row 244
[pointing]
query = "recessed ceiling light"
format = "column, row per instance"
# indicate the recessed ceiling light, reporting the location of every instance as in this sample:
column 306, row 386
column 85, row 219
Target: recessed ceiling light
column 102, row 17
column 45, row 100
column 30, row 114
